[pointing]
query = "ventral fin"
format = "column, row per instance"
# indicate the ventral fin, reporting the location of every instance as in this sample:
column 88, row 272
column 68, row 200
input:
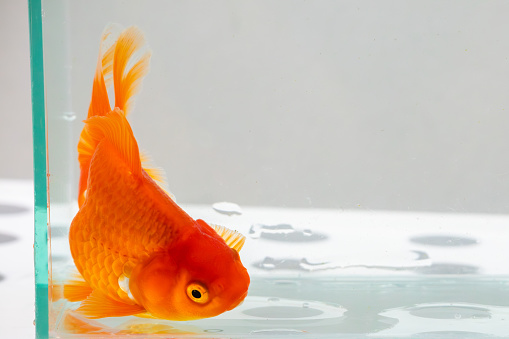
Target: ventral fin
column 99, row 305
column 232, row 238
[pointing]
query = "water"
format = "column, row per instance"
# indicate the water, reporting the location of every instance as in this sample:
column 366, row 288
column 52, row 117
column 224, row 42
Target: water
column 357, row 146
column 427, row 283
column 346, row 308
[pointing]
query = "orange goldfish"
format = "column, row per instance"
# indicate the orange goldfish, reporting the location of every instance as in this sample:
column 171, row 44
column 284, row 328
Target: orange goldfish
column 137, row 251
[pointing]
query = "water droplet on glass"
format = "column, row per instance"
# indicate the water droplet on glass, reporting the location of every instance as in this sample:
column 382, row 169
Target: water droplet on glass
column 284, row 232
column 268, row 265
column 228, row 208
column 305, row 305
column 446, row 241
column 69, row 116
column 303, row 264
column 255, row 231
column 258, row 230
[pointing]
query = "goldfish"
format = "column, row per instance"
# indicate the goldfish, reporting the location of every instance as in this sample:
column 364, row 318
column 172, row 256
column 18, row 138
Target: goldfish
column 137, row 251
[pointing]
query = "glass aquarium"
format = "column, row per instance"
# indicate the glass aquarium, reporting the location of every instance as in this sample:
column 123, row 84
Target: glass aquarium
column 359, row 146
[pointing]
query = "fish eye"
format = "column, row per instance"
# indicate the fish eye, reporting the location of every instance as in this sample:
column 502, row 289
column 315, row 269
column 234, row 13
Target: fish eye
column 197, row 293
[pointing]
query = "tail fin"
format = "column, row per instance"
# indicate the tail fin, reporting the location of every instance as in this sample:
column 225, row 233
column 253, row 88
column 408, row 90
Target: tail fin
column 112, row 64
column 128, row 83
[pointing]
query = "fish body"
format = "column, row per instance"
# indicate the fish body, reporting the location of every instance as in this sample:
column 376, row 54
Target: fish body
column 137, row 251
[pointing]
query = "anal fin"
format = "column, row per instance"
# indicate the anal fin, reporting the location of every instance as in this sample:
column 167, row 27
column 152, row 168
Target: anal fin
column 75, row 289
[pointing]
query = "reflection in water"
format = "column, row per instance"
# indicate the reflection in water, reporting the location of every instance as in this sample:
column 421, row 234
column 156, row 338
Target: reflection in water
column 444, row 241
column 284, row 232
column 449, row 320
column 151, row 328
column 451, row 335
column 277, row 332
column 277, row 309
column 228, row 208
column 451, row 312
column 77, row 324
column 447, row 268
column 283, row 312
column 12, row 209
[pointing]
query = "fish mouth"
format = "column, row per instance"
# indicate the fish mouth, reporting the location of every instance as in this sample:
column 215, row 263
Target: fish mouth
column 238, row 301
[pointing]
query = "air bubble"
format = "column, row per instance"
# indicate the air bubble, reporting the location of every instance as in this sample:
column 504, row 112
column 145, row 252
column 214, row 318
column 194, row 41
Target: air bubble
column 69, row 116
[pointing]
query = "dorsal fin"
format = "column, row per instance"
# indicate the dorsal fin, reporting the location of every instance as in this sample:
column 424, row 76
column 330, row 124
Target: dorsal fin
column 115, row 128
column 156, row 173
column 99, row 105
column 120, row 63
column 232, row 238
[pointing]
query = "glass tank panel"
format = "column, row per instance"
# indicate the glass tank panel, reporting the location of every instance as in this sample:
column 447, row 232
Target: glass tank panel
column 357, row 145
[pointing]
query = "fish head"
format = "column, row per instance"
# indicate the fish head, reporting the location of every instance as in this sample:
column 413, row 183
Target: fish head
column 197, row 278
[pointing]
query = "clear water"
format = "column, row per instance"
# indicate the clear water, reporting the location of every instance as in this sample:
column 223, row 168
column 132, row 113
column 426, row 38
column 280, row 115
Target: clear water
column 359, row 145
column 445, row 308
column 411, row 279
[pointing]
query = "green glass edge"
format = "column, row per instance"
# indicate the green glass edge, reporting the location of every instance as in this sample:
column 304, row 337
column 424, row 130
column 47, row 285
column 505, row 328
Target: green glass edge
column 40, row 178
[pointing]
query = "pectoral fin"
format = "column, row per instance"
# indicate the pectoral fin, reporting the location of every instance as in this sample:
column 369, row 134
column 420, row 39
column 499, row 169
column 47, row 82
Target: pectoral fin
column 99, row 305
column 232, row 238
